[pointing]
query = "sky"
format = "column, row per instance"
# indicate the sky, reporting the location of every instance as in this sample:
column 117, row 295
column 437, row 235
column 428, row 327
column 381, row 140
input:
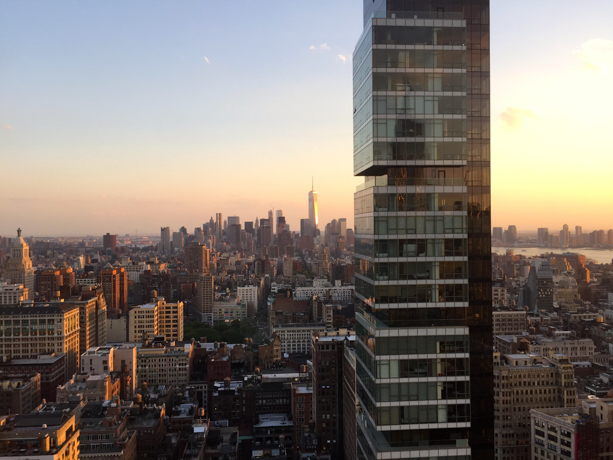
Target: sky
column 124, row 116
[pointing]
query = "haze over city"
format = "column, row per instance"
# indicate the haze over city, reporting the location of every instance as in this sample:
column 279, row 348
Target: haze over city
column 133, row 117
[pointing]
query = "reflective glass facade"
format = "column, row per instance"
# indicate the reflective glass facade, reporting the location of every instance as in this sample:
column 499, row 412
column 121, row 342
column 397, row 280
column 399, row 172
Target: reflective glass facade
column 422, row 230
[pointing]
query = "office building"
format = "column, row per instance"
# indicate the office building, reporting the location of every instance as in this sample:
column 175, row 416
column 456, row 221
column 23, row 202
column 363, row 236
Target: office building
column 205, row 297
column 109, row 241
column 30, row 331
column 164, row 246
column 523, row 382
column 423, row 229
column 219, row 227
column 19, row 267
column 114, row 282
column 196, row 258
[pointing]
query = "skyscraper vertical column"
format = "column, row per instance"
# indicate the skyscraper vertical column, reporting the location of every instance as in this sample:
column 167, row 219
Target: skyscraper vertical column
column 422, row 230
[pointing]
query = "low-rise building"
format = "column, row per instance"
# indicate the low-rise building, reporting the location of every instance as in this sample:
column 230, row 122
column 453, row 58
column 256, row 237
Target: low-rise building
column 228, row 310
column 104, row 431
column 296, row 338
column 509, row 322
column 42, row 436
column 164, row 363
column 326, row 292
column 19, row 394
column 564, row 433
column 51, row 368
column 93, row 387
column 13, row 294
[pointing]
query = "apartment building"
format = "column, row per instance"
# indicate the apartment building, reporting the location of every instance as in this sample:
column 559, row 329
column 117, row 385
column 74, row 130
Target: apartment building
column 523, row 382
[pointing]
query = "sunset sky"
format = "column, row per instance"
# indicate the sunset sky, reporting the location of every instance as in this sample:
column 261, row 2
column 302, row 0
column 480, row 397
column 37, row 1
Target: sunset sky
column 123, row 116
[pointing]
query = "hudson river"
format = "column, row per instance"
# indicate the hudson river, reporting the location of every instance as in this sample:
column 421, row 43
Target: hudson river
column 600, row 256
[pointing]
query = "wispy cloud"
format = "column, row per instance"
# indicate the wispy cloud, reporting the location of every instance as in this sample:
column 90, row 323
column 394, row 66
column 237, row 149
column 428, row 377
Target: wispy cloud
column 7, row 127
column 207, row 60
column 514, row 116
column 342, row 58
column 595, row 55
column 322, row 47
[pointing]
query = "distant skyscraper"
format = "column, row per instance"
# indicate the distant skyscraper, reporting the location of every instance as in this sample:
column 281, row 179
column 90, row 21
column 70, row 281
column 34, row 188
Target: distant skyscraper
column 423, row 231
column 565, row 236
column 342, row 227
column 219, row 227
column 497, row 233
column 271, row 223
column 177, row 241
column 109, row 241
column 196, row 258
column 278, row 216
column 543, row 235
column 19, row 267
column 512, row 234
column 313, row 216
column 234, row 220
column 579, row 235
column 164, row 246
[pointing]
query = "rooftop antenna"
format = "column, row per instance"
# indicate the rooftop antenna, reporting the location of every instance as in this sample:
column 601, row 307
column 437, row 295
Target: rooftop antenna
column 312, row 184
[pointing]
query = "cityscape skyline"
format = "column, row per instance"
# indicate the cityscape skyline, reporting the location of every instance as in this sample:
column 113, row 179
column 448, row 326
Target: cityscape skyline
column 66, row 103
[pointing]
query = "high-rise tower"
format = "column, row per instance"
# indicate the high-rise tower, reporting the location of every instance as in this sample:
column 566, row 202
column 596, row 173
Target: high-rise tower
column 422, row 230
column 19, row 267
column 313, row 217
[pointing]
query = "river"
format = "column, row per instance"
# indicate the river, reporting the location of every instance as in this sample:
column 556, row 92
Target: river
column 600, row 256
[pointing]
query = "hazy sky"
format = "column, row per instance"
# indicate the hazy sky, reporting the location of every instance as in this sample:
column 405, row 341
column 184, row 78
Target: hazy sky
column 117, row 116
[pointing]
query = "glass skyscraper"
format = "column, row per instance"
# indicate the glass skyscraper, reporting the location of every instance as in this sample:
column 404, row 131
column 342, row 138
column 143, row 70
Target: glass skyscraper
column 422, row 230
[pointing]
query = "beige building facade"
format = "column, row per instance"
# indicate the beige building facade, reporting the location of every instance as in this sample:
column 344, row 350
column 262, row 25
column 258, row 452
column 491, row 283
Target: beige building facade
column 523, row 382
column 19, row 267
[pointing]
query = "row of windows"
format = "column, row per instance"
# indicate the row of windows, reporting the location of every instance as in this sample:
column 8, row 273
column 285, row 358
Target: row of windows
column 413, row 317
column 413, row 151
column 419, row 35
column 418, row 59
column 413, row 270
column 430, row 81
column 422, row 391
column 410, row 202
column 413, row 293
column 410, row 368
column 434, row 247
column 406, row 225
column 452, row 413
